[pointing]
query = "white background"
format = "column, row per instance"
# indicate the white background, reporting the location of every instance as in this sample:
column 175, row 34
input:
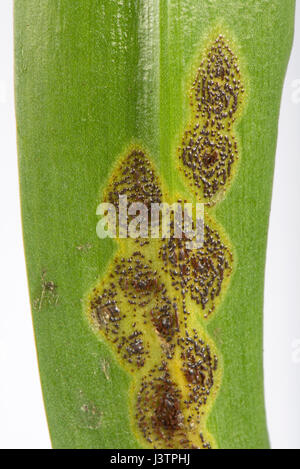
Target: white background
column 22, row 417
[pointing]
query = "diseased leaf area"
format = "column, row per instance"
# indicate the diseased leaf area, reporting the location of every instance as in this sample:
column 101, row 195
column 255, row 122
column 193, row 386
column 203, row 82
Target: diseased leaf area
column 209, row 150
column 152, row 327
column 171, row 353
column 150, row 302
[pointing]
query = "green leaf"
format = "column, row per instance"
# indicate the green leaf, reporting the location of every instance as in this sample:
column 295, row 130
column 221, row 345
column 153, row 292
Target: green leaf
column 93, row 79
